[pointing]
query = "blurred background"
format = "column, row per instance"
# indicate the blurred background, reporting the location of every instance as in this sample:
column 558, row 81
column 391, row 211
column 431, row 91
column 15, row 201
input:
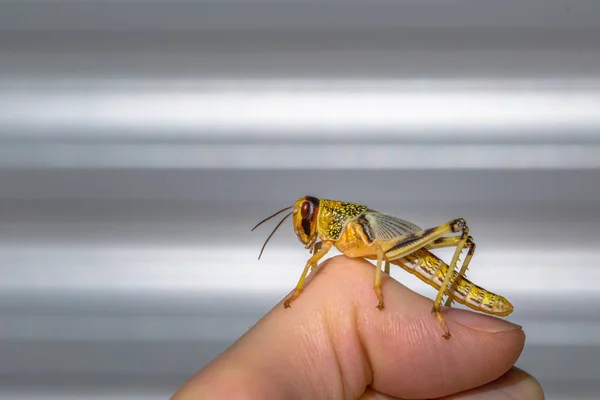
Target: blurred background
column 140, row 141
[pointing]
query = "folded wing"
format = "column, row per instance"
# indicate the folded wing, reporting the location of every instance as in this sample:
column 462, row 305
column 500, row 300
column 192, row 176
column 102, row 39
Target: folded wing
column 386, row 227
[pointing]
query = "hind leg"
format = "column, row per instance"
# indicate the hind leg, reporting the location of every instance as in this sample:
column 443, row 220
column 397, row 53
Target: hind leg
column 450, row 242
column 445, row 285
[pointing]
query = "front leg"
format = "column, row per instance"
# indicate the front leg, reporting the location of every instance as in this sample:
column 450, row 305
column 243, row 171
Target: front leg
column 325, row 247
column 314, row 250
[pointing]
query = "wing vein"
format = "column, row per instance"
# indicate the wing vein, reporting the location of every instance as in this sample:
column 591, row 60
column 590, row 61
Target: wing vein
column 386, row 227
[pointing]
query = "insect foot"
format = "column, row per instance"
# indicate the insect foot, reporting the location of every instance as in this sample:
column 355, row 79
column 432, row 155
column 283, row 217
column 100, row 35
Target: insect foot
column 379, row 297
column 438, row 315
column 470, row 242
column 294, row 296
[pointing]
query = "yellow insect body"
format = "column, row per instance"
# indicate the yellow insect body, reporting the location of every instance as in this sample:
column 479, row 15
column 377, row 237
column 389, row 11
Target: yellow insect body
column 430, row 269
column 357, row 231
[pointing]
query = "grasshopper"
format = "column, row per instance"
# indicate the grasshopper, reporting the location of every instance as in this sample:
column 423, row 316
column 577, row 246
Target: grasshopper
column 358, row 231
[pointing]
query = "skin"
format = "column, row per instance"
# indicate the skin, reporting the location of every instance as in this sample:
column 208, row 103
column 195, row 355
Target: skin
column 334, row 343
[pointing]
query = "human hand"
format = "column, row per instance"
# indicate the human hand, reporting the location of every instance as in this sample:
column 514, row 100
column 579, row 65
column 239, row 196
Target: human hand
column 334, row 343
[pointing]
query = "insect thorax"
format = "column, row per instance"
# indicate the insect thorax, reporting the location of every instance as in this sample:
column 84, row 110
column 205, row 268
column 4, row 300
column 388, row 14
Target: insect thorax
column 334, row 215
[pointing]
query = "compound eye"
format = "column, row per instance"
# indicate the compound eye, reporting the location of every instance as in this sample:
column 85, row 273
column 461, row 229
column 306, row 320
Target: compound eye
column 305, row 209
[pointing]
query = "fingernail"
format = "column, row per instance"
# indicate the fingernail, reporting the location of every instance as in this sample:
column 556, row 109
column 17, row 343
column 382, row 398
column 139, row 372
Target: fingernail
column 480, row 322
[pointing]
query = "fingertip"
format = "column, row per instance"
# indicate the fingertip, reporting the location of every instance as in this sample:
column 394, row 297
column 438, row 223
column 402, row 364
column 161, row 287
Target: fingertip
column 515, row 384
column 404, row 344
column 521, row 385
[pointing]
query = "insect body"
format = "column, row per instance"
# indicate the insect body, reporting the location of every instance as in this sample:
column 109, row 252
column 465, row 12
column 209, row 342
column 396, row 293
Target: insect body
column 358, row 231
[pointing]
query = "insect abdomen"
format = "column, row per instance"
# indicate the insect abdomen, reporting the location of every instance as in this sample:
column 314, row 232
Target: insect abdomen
column 431, row 270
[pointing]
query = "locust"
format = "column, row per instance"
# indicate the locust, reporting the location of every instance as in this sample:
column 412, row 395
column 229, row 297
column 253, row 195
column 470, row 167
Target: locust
column 360, row 232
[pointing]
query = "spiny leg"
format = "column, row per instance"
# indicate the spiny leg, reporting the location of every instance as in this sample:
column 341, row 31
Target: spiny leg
column 453, row 241
column 409, row 244
column 470, row 244
column 444, row 286
column 309, row 264
column 396, row 249
column 377, row 280
column 386, row 267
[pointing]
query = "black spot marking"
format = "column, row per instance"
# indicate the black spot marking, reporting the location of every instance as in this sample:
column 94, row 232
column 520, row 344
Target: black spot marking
column 341, row 213
column 479, row 295
column 306, row 226
column 366, row 228
column 409, row 240
column 313, row 200
column 429, row 231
